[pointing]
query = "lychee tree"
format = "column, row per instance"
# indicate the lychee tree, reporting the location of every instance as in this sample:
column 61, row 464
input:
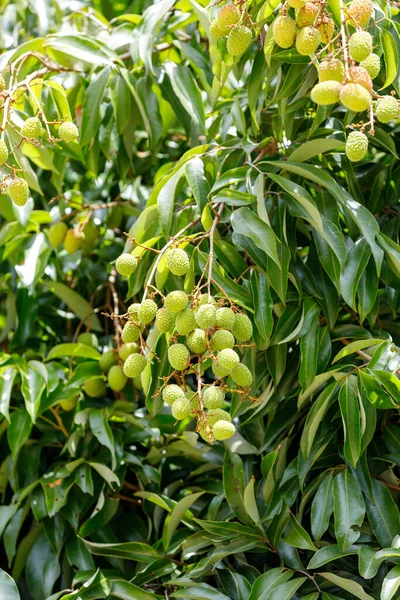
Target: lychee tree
column 199, row 325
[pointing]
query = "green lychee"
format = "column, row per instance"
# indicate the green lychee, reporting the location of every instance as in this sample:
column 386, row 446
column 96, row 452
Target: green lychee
column 355, row 97
column 387, row 109
column 107, row 360
column 307, row 41
column 127, row 349
column 72, row 240
column 372, row 64
column 57, row 233
column 95, row 387
column 223, row 430
column 181, row 408
column 147, row 311
column 225, row 317
column 164, row 320
column 305, row 16
column 117, row 379
column 360, row 45
column 197, row 341
column 31, row 128
column 134, row 365
column 356, row 146
column 206, row 316
column 176, row 301
column 171, row 393
column 185, row 321
column 326, row 92
column 130, row 333
column 222, row 339
column 242, row 376
column 19, row 191
column 331, row 70
column 228, row 359
column 239, row 39
column 126, row 264
column 242, row 328
column 68, row 132
column 3, row 153
column 178, row 261
column 213, row 397
column 178, row 356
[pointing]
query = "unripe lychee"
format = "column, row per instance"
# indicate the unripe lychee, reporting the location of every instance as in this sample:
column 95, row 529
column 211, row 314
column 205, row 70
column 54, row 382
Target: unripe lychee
column 196, row 341
column 239, row 39
column 356, row 146
column 242, row 376
column 171, row 393
column 219, row 371
column 387, row 109
column 228, row 359
column 326, row 92
column 3, row 153
column 164, row 320
column 134, row 365
column 355, row 97
column 127, row 349
column 126, row 264
column 117, row 379
column 147, row 311
column 296, row 3
column 331, row 70
column 307, row 41
column 185, row 321
column 223, row 430
column 178, row 261
column 107, row 360
column 228, row 16
column 225, row 317
column 203, row 299
column 69, row 403
column 68, row 132
column 2, row 84
column 306, row 15
column 372, row 64
column 31, row 128
column 133, row 311
column 88, row 339
column 72, row 240
column 242, row 328
column 178, row 356
column 95, row 387
column 361, row 76
column 176, row 301
column 222, row 339
column 213, row 397
column 218, row 415
column 360, row 45
column 19, row 191
column 217, row 31
column 360, row 12
column 130, row 333
column 284, row 31
column 57, row 234
column 326, row 28
column 181, row 409
column 206, row 316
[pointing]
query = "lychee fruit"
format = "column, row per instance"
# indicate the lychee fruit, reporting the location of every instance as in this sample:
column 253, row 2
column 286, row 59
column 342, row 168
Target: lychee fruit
column 331, row 70
column 218, row 415
column 134, row 365
column 306, row 15
column 387, row 109
column 242, row 376
column 126, row 264
column 164, row 320
column 130, row 333
column 213, row 397
column 242, row 328
column 372, row 64
column 360, row 45
column 219, row 371
column 69, row 404
column 284, row 31
column 147, row 311
column 361, row 76
column 181, row 409
column 107, row 360
column 360, row 12
column 206, row 316
column 171, row 393
column 228, row 359
column 356, row 146
column 68, row 131
column 296, row 3
column 133, row 311
column 228, row 16
column 176, row 301
column 95, row 387
column 326, row 27
column 239, row 39
column 222, row 339
column 223, row 430
column 197, row 341
column 127, row 349
column 178, row 261
column 217, row 31
column 31, row 128
column 307, row 41
column 117, row 379
column 19, row 191
column 178, row 356
column 72, row 240
column 185, row 321
column 57, row 234
column 355, row 97
column 326, row 92
column 3, row 153
column 224, row 317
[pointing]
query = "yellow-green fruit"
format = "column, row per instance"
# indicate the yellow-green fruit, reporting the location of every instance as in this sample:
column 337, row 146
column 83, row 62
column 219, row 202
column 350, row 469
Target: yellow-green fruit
column 206, row 316
column 88, row 339
column 57, row 234
column 361, row 76
column 205, row 431
column 356, row 146
column 176, row 301
column 239, row 39
column 134, row 365
column 307, row 41
column 91, row 236
column 171, row 393
column 126, row 264
column 147, row 311
column 203, row 299
column 296, row 3
column 178, row 356
column 72, row 240
column 181, row 409
column 225, row 317
column 218, row 415
column 242, row 376
column 178, row 261
column 95, row 387
column 331, row 70
column 31, row 128
column 387, row 109
column 2, row 84
column 228, row 359
column 107, row 360
column 19, row 191
column 306, row 16
column 326, row 28
column 127, row 349
column 355, row 97
column 360, row 12
column 69, row 403
column 197, row 341
column 130, row 333
column 117, row 379
column 222, row 339
column 219, row 371
column 213, row 397
column 372, row 64
column 360, row 45
column 164, row 320
column 326, row 92
column 185, row 321
column 3, row 153
column 242, row 328
column 223, row 430
column 228, row 15
column 216, row 30
column 68, row 132
column 133, row 311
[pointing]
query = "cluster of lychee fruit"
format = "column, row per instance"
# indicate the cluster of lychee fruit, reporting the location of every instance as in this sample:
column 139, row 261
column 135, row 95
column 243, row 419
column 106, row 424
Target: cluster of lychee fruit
column 229, row 24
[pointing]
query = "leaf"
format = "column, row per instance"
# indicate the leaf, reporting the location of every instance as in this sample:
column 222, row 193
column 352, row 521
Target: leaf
column 328, row 554
column 233, row 480
column 355, row 346
column 8, row 587
column 348, row 508
column 18, row 431
column 318, row 381
column 136, row 551
column 263, row 305
column 101, row 429
column 166, row 199
column 249, row 501
column 194, row 172
column 76, row 350
column 80, row 46
column 91, row 106
column 350, row 411
column 374, row 392
column 356, row 263
column 390, row 53
column 75, row 302
column 287, row 590
column 245, row 222
column 187, row 90
column 128, row 591
column 151, row 19
column 175, row 517
column 32, row 388
column 391, row 584
column 7, row 376
column 309, row 347
column 347, row 584
column 314, row 147
column 298, row 536
column 322, row 507
column 314, row 419
column 267, row 582
column 383, row 514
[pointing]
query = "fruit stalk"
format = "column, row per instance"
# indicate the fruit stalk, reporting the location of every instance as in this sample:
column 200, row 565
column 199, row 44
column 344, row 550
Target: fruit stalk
column 344, row 39
column 211, row 255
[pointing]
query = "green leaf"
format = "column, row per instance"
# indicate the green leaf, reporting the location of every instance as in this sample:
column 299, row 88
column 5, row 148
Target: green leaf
column 245, row 222
column 7, row 376
column 91, row 106
column 129, row 591
column 8, row 587
column 348, row 508
column 355, row 346
column 328, row 554
column 383, row 514
column 264, row 585
column 391, row 584
column 322, row 507
column 390, row 53
column 233, row 480
column 194, row 172
column 287, row 590
column 314, row 147
column 249, row 501
column 76, row 350
column 375, row 393
column 314, row 419
column 151, row 20
column 75, row 302
column 101, row 429
column 32, row 388
column 356, row 263
column 298, row 536
column 347, row 584
column 263, row 305
column 188, row 92
column 175, row 517
column 309, row 348
column 350, row 411
column 136, row 551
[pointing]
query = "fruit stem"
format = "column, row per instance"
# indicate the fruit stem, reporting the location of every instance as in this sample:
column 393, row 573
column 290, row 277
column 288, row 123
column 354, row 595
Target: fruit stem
column 211, row 255
column 344, row 39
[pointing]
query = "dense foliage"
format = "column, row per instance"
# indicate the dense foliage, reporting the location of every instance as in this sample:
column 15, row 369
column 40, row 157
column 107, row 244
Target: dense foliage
column 185, row 142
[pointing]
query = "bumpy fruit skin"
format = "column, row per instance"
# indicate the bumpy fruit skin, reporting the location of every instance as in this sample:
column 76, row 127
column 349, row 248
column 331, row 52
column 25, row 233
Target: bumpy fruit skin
column 3, row 152
column 306, row 16
column 222, row 339
column 219, row 371
column 228, row 15
column 213, row 397
column 372, row 64
column 178, row 356
column 72, row 240
column 181, row 409
column 355, row 97
column 133, row 311
column 68, row 132
column 223, row 430
column 218, row 415
column 331, row 70
column 176, row 301
column 242, row 376
column 326, row 92
column 356, row 146
column 225, row 317
column 164, row 320
column 228, row 359
column 360, row 45
column 217, row 31
column 307, row 41
column 128, row 349
column 203, row 299
column 206, row 316
column 284, row 31
column 19, row 191
column 134, row 365
column 361, row 76
column 360, row 12
column 178, row 261
column 242, row 328
column 326, row 29
column 387, row 109
column 2, row 84
column 95, row 387
column 185, row 321
column 88, row 339
column 171, row 393
column 57, row 234
column 130, row 333
column 69, row 403
column 296, row 3
column 147, row 311
column 31, row 128
column 107, row 360
column 239, row 39
column 126, row 264
column 196, row 341
column 117, row 379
